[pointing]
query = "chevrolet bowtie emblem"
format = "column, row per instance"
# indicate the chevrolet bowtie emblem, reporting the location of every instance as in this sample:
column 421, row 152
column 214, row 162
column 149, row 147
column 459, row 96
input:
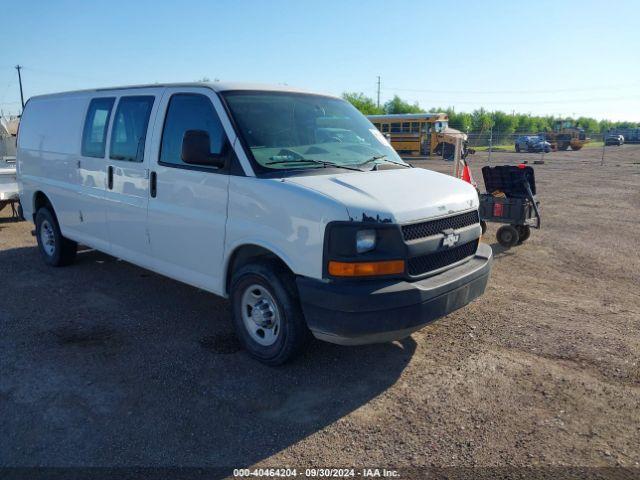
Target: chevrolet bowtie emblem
column 450, row 239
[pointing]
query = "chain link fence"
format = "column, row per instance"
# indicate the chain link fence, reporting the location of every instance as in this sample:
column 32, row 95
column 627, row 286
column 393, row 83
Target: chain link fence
column 506, row 141
column 495, row 143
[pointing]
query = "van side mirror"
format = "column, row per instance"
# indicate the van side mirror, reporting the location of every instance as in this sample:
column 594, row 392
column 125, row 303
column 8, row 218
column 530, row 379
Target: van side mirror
column 196, row 149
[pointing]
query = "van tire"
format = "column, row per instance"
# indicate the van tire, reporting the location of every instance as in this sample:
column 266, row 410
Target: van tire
column 56, row 250
column 275, row 290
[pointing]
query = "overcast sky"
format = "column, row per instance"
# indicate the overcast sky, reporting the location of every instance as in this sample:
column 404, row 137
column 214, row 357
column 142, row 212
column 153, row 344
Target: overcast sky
column 548, row 57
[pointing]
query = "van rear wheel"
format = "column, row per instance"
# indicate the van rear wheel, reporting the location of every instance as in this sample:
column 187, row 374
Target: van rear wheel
column 55, row 249
column 266, row 312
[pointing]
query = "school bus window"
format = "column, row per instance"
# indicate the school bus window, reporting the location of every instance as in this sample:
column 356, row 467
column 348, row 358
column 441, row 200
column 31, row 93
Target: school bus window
column 395, row 128
column 415, row 127
column 385, row 127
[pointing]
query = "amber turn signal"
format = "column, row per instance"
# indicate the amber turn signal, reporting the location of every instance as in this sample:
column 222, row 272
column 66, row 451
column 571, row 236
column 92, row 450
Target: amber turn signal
column 365, row 269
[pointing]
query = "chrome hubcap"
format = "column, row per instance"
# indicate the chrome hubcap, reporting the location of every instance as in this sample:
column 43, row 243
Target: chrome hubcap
column 260, row 315
column 47, row 238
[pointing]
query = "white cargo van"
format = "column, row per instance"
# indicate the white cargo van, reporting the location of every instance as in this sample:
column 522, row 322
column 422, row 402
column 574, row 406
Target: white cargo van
column 291, row 204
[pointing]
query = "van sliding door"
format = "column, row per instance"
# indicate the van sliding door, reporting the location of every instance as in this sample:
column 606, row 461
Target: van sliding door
column 127, row 191
column 91, row 226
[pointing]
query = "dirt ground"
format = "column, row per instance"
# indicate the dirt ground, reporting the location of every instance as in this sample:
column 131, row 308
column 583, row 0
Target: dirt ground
column 103, row 363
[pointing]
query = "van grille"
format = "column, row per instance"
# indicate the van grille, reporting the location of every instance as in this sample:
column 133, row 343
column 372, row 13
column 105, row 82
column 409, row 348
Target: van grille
column 434, row 227
column 434, row 261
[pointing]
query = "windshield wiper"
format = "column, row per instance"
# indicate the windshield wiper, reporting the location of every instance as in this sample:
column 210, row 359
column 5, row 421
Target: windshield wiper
column 324, row 163
column 384, row 157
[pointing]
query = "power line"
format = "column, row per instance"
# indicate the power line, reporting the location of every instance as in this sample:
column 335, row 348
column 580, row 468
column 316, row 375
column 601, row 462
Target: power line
column 6, row 89
column 503, row 92
column 540, row 102
column 61, row 74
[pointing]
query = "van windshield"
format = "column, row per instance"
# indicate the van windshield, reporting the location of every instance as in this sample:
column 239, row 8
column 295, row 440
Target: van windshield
column 287, row 130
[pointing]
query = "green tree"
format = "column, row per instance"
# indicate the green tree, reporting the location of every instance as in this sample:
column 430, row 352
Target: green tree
column 397, row 105
column 461, row 121
column 365, row 104
column 590, row 125
column 626, row 125
column 604, row 125
column 545, row 124
column 504, row 125
column 481, row 121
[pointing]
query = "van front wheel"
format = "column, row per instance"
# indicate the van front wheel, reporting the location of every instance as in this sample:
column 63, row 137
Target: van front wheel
column 266, row 312
column 55, row 249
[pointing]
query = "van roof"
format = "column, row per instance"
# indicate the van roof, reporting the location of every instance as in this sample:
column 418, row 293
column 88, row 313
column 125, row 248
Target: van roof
column 215, row 86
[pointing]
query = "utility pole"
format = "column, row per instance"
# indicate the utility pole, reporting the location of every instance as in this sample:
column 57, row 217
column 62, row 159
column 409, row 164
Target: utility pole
column 378, row 91
column 18, row 68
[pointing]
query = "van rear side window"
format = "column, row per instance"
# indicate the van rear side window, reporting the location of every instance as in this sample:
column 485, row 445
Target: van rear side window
column 95, row 127
column 130, row 128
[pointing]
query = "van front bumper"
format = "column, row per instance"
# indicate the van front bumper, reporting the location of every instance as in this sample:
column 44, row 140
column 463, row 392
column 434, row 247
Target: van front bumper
column 374, row 311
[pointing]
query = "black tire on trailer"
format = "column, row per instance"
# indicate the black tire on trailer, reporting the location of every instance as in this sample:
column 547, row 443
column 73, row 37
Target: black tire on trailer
column 517, row 148
column 563, row 146
column 266, row 312
column 524, row 232
column 483, row 226
column 55, row 249
column 507, row 236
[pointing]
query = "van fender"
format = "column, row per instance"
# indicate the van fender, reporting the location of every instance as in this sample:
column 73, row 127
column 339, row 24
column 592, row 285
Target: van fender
column 40, row 199
column 232, row 249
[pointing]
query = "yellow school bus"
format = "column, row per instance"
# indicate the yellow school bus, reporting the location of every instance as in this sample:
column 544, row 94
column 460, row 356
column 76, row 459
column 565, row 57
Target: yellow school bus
column 419, row 133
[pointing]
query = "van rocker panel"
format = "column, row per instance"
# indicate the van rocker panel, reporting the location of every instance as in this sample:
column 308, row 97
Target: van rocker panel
column 361, row 312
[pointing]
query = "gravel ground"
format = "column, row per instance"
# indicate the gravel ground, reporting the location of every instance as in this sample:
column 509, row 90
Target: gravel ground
column 103, row 363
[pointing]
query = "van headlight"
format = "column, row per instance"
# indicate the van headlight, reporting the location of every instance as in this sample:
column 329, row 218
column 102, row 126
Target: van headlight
column 365, row 240
column 363, row 249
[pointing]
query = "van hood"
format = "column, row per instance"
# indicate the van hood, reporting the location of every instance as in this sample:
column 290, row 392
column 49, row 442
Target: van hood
column 399, row 195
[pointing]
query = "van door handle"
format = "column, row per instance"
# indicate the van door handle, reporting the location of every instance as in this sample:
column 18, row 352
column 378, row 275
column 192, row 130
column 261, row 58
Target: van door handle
column 110, row 177
column 153, row 184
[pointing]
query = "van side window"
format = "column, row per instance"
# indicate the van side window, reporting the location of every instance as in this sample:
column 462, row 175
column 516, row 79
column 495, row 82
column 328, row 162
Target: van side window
column 95, row 127
column 189, row 111
column 130, row 128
